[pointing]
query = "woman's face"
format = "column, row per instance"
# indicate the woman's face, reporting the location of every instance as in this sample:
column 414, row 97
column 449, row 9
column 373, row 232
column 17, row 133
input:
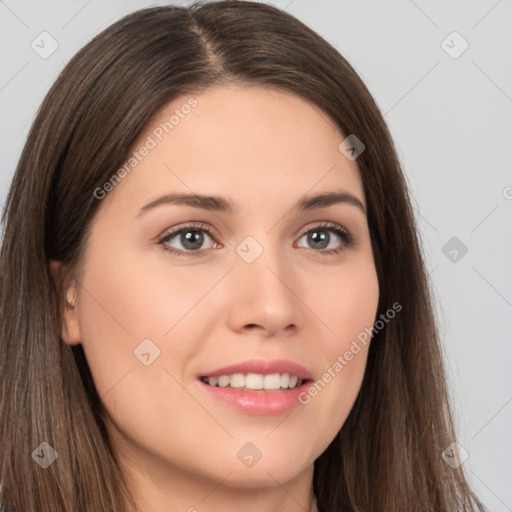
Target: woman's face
column 211, row 252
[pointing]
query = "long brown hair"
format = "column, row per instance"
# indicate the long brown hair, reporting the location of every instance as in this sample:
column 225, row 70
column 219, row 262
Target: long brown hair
column 387, row 455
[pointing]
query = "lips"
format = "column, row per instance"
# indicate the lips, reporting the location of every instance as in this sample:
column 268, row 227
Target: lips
column 257, row 386
column 262, row 367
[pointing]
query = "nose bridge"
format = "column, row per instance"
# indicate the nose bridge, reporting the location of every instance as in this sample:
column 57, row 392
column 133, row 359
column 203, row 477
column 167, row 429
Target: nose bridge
column 264, row 286
column 263, row 262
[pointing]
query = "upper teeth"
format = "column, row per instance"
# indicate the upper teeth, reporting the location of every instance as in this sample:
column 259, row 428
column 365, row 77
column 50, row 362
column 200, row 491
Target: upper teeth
column 255, row 381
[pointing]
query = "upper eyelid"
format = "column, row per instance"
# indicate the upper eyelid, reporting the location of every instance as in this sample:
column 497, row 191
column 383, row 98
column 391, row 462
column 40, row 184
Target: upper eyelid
column 200, row 226
column 327, row 225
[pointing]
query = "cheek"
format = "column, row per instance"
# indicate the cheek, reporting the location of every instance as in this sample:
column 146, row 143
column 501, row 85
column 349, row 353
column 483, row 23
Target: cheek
column 356, row 304
column 349, row 305
column 346, row 301
column 124, row 302
column 124, row 318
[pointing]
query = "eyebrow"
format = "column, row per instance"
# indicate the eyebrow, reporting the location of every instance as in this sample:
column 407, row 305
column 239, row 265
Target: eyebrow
column 222, row 205
column 325, row 199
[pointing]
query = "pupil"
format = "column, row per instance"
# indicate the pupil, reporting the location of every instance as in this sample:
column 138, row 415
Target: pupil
column 319, row 239
column 192, row 239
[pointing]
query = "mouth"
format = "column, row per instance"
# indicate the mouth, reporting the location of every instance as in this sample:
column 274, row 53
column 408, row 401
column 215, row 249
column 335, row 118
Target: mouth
column 258, row 386
column 269, row 383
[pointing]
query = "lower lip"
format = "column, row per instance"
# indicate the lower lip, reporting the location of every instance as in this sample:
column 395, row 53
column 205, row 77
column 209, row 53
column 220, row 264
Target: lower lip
column 265, row 403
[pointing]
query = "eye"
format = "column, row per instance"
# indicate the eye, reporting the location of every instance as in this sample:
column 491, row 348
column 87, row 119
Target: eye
column 191, row 239
column 195, row 239
column 326, row 238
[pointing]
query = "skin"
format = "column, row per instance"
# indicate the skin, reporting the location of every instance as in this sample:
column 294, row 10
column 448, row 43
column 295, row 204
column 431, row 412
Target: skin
column 263, row 150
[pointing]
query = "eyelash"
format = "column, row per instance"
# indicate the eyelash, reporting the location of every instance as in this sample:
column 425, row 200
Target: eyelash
column 342, row 233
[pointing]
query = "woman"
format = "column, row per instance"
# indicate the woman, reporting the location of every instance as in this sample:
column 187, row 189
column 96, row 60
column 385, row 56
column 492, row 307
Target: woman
column 213, row 294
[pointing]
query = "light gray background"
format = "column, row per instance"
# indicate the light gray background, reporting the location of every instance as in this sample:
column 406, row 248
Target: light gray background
column 451, row 119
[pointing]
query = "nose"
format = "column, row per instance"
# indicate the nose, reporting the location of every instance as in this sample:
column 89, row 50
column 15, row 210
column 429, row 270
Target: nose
column 266, row 297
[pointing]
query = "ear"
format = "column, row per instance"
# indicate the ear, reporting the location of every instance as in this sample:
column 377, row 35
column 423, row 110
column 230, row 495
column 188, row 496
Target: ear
column 70, row 328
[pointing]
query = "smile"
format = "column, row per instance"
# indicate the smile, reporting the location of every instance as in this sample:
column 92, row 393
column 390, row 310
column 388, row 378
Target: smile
column 255, row 381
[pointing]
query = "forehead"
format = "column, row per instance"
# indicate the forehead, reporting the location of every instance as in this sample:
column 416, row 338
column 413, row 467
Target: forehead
column 244, row 142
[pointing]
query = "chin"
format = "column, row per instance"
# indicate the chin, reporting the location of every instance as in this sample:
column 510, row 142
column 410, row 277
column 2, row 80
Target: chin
column 263, row 473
